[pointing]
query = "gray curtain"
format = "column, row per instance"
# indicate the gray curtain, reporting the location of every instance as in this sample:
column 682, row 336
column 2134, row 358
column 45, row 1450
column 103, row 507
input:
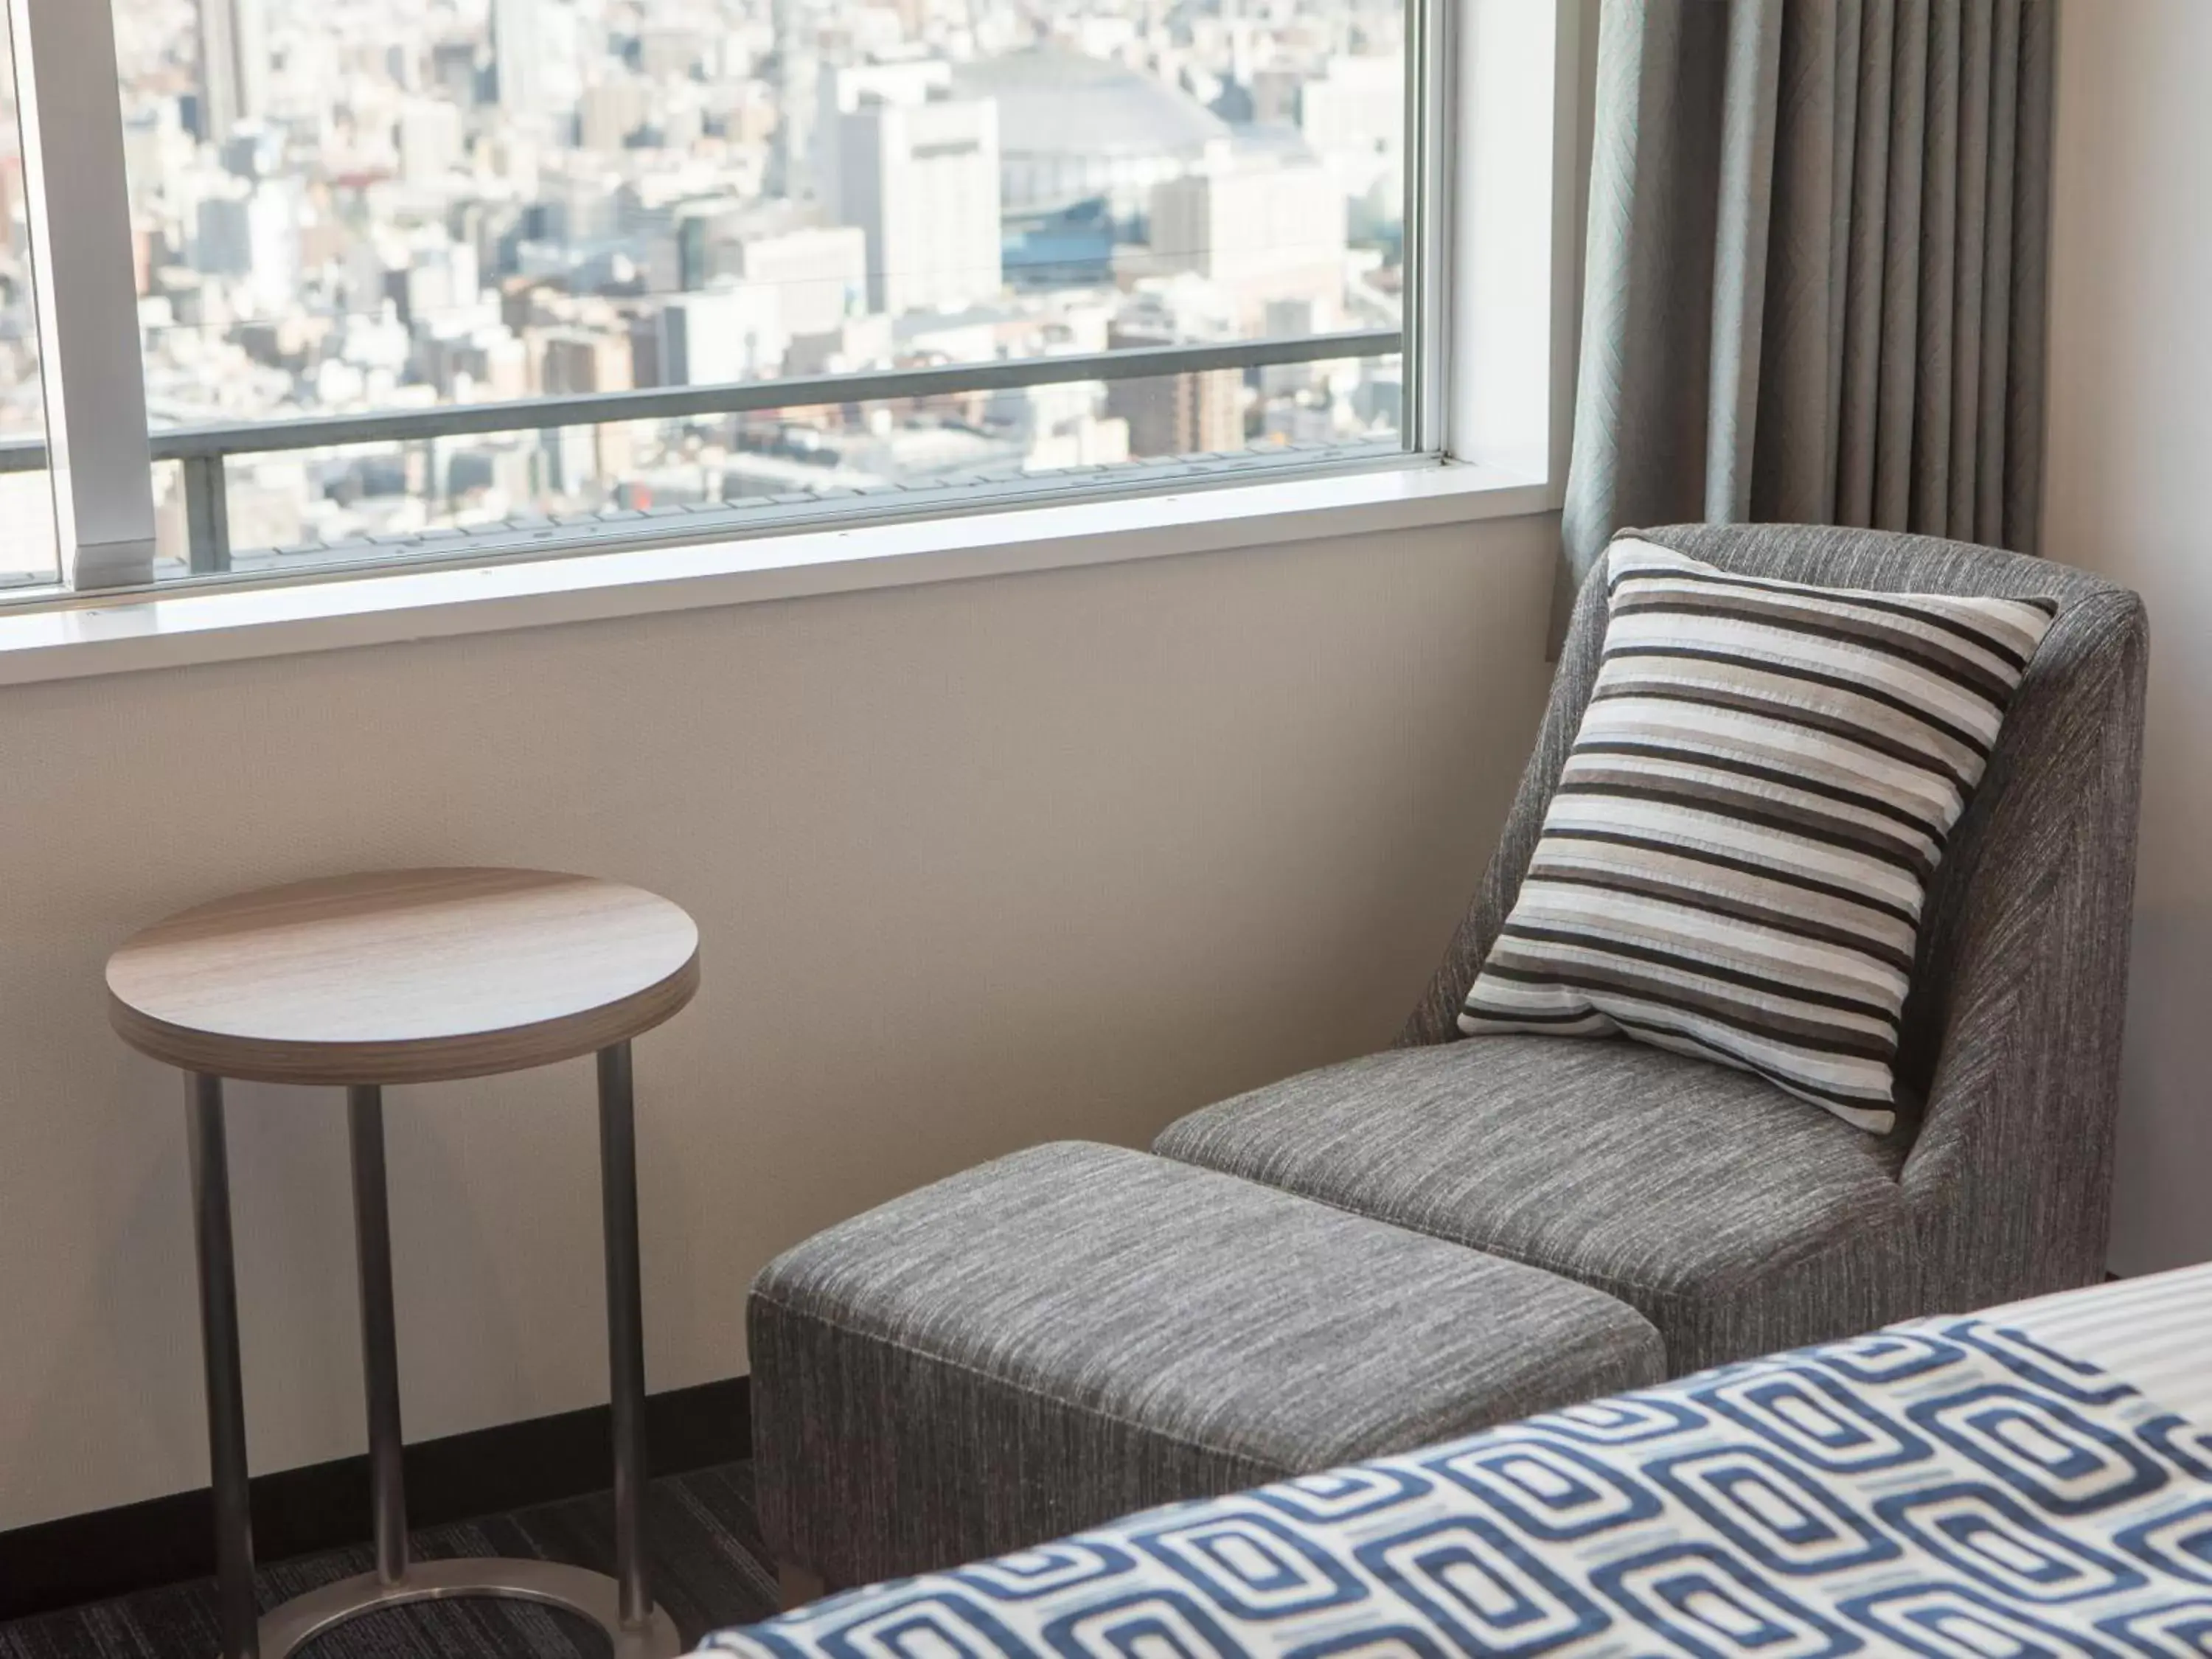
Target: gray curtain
column 1816, row 268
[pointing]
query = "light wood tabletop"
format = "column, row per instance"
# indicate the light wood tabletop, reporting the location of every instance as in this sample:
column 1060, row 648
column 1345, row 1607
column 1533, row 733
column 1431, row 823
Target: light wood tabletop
column 403, row 976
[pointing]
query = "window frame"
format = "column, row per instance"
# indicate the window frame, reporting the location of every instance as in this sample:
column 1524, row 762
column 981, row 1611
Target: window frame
column 1475, row 394
column 69, row 104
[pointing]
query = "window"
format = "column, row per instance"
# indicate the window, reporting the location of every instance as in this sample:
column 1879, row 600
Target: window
column 27, row 555
column 457, row 279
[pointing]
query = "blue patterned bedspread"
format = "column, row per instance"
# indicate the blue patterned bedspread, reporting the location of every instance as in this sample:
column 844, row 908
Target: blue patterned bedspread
column 1946, row 1487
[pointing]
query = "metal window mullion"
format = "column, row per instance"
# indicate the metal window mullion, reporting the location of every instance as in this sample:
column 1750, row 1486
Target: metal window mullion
column 85, row 290
column 206, row 514
column 1430, row 114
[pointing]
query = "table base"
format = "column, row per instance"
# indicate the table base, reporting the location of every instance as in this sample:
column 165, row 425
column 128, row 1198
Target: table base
column 592, row 1596
column 622, row 1605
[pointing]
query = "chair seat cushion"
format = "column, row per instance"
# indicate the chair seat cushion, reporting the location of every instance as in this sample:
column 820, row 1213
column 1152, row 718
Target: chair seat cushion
column 1076, row 1332
column 1735, row 1220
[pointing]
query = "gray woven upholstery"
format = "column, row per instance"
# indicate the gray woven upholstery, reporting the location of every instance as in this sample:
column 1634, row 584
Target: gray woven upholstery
column 1076, row 1332
column 2011, row 1038
column 1542, row 1149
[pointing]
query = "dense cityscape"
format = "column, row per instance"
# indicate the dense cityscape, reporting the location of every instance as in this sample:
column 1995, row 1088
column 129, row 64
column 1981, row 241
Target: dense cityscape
column 369, row 205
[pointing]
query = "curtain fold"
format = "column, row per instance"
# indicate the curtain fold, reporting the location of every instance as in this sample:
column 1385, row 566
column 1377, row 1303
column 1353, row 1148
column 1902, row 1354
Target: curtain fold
column 1816, row 270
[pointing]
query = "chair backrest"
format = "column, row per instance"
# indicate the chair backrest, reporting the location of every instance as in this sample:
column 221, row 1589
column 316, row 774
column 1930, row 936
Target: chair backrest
column 2024, row 938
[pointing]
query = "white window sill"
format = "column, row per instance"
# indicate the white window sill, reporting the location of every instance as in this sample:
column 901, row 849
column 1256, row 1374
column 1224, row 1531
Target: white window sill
column 86, row 637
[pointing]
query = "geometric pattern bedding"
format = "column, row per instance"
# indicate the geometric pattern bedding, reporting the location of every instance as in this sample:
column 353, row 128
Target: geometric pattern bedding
column 1949, row 1486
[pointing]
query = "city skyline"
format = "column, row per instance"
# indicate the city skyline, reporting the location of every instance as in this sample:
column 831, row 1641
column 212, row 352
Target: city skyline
column 355, row 207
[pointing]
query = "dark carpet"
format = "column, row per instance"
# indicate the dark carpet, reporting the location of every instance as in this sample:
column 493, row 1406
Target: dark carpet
column 707, row 1570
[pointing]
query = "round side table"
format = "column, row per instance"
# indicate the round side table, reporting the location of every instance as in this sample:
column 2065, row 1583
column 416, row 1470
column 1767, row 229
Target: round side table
column 409, row 976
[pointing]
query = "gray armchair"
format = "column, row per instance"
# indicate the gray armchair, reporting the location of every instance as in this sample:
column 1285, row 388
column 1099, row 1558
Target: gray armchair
column 1739, row 1220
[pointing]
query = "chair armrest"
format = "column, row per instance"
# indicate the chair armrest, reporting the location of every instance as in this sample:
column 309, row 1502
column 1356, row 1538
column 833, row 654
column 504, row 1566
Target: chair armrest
column 2020, row 991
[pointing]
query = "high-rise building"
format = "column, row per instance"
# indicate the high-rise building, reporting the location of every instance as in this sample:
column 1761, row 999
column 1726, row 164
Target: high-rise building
column 1262, row 231
column 454, row 72
column 922, row 180
column 250, row 234
column 645, row 349
column 819, row 273
column 703, row 236
column 839, row 92
column 1356, row 107
column 791, row 170
column 1354, row 117
column 570, row 458
column 516, row 56
column 583, row 360
column 1181, row 414
column 1176, row 414
column 440, row 282
column 611, row 110
column 720, row 334
column 431, row 140
column 234, row 64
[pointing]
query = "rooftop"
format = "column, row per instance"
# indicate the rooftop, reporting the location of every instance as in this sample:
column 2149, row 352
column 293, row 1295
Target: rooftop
column 1054, row 101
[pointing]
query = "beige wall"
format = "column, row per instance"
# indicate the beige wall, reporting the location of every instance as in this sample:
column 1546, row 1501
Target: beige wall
column 978, row 865
column 2130, row 479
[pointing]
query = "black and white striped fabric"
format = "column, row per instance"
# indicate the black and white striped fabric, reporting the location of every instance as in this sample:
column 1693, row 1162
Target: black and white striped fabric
column 1734, row 863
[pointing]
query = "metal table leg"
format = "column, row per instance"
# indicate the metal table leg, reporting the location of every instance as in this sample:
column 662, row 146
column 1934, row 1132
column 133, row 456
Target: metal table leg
column 621, row 1606
column 226, row 1392
column 625, row 1327
column 379, row 1338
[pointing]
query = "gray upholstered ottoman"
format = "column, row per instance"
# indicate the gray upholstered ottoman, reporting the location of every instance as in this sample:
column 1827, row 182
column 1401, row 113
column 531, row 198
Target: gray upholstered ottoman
column 1078, row 1331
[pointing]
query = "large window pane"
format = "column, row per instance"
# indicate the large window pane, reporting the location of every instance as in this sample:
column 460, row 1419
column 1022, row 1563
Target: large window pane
column 27, row 507
column 351, row 207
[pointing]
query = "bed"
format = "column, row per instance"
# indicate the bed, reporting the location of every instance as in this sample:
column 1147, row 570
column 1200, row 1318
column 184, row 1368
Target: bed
column 2031, row 1479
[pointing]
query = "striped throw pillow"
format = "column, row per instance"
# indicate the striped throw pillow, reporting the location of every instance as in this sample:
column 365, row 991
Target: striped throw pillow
column 1734, row 861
